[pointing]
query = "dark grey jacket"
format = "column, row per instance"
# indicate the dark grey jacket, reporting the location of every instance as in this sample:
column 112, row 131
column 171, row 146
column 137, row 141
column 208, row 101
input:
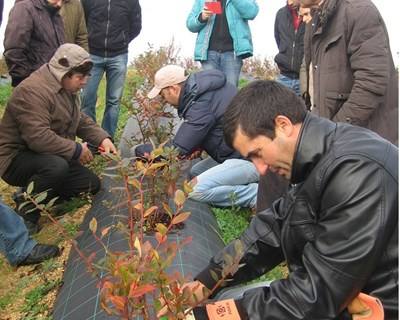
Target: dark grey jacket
column 337, row 228
column 290, row 43
column 32, row 36
column 354, row 77
column 111, row 25
column 203, row 101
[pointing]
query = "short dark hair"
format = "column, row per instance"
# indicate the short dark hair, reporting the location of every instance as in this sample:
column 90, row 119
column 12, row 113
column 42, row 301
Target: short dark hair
column 256, row 106
column 83, row 69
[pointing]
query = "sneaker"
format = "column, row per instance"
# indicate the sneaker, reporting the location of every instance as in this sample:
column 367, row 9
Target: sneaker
column 40, row 253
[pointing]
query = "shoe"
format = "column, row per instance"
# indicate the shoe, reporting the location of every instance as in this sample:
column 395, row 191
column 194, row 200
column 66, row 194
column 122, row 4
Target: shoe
column 40, row 253
column 32, row 227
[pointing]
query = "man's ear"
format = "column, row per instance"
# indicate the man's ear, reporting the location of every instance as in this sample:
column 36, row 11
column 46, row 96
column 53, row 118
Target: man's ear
column 283, row 125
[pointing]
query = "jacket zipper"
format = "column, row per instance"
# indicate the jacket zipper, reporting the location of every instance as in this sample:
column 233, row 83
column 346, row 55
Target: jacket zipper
column 108, row 25
column 293, row 48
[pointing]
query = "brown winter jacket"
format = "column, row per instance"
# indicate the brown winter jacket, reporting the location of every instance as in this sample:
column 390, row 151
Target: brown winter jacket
column 354, row 77
column 32, row 36
column 41, row 116
column 74, row 23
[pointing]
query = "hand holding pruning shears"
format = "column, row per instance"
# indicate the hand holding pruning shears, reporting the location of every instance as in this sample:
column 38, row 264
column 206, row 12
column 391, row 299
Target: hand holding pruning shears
column 107, row 146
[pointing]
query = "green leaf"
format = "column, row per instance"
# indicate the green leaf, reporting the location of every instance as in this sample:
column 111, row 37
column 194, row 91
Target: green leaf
column 41, row 197
column 30, row 188
column 93, row 225
column 51, row 202
column 214, row 275
column 161, row 229
column 179, row 198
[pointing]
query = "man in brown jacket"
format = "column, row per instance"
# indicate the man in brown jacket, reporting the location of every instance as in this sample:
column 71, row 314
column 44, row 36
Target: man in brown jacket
column 354, row 79
column 39, row 127
column 74, row 23
column 34, row 32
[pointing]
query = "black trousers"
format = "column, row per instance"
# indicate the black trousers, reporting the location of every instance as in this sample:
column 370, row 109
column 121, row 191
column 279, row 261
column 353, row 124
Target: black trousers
column 61, row 178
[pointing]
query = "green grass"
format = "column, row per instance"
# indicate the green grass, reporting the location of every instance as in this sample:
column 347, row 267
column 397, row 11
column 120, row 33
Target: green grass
column 8, row 298
column 33, row 299
column 232, row 222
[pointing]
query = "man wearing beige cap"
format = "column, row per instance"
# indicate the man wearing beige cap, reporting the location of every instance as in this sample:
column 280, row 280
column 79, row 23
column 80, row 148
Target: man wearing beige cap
column 39, row 127
column 201, row 99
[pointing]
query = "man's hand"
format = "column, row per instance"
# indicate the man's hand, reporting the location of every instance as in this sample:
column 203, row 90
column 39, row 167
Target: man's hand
column 106, row 146
column 206, row 14
column 366, row 307
column 198, row 295
column 86, row 155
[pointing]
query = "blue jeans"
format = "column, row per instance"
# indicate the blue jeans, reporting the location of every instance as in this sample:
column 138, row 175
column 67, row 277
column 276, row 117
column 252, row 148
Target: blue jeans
column 115, row 69
column 15, row 242
column 233, row 182
column 293, row 84
column 227, row 62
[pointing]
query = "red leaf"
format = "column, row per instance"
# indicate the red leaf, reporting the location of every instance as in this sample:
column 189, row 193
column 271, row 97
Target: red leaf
column 140, row 291
column 118, row 301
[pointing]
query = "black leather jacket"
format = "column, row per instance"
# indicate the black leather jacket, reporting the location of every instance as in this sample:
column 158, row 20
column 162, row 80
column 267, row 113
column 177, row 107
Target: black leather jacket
column 337, row 228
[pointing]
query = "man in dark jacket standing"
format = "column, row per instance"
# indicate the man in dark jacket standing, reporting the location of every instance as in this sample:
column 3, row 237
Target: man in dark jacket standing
column 201, row 100
column 336, row 226
column 39, row 128
column 34, row 32
column 354, row 78
column 289, row 36
column 112, row 25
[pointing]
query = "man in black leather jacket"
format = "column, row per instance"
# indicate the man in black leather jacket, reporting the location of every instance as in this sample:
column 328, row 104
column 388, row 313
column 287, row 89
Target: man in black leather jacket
column 337, row 226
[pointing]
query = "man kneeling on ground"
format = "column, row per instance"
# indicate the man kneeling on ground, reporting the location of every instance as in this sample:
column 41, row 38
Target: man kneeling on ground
column 224, row 178
column 336, row 227
column 39, row 127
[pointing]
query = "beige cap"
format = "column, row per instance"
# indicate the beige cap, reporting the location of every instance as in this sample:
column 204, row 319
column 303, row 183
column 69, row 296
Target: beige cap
column 165, row 77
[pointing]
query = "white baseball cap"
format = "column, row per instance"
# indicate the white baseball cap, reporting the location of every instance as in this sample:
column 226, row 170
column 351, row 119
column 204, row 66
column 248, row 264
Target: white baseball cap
column 165, row 77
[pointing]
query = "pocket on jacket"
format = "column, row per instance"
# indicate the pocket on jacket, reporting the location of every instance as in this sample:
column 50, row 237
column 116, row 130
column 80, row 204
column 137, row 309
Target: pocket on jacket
column 334, row 101
column 302, row 223
column 334, row 55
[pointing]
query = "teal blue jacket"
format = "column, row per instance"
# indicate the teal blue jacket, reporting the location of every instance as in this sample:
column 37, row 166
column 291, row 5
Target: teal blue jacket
column 238, row 12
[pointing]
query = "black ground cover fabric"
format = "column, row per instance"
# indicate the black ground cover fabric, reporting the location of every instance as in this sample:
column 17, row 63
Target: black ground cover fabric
column 78, row 298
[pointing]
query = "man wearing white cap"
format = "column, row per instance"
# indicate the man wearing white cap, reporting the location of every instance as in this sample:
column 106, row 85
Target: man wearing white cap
column 201, row 99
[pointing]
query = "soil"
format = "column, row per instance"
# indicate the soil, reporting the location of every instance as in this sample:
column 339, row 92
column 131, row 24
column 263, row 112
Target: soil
column 16, row 283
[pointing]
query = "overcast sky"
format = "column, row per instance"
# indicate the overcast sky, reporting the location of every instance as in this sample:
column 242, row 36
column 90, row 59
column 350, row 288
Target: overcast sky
column 164, row 19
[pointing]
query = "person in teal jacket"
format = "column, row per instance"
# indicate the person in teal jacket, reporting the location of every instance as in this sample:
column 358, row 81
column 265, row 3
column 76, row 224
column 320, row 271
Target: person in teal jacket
column 224, row 39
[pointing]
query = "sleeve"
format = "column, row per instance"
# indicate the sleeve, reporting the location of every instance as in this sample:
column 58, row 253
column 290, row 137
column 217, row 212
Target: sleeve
column 33, row 117
column 136, row 20
column 276, row 29
column 260, row 240
column 370, row 59
column 192, row 22
column 351, row 233
column 16, row 41
column 82, row 35
column 90, row 131
column 248, row 9
column 196, row 126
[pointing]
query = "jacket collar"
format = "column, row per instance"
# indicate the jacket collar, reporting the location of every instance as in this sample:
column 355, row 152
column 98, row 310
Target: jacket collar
column 325, row 13
column 314, row 140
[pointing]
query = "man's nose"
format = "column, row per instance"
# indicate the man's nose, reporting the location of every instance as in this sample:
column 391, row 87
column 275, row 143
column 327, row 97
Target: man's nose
column 261, row 166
